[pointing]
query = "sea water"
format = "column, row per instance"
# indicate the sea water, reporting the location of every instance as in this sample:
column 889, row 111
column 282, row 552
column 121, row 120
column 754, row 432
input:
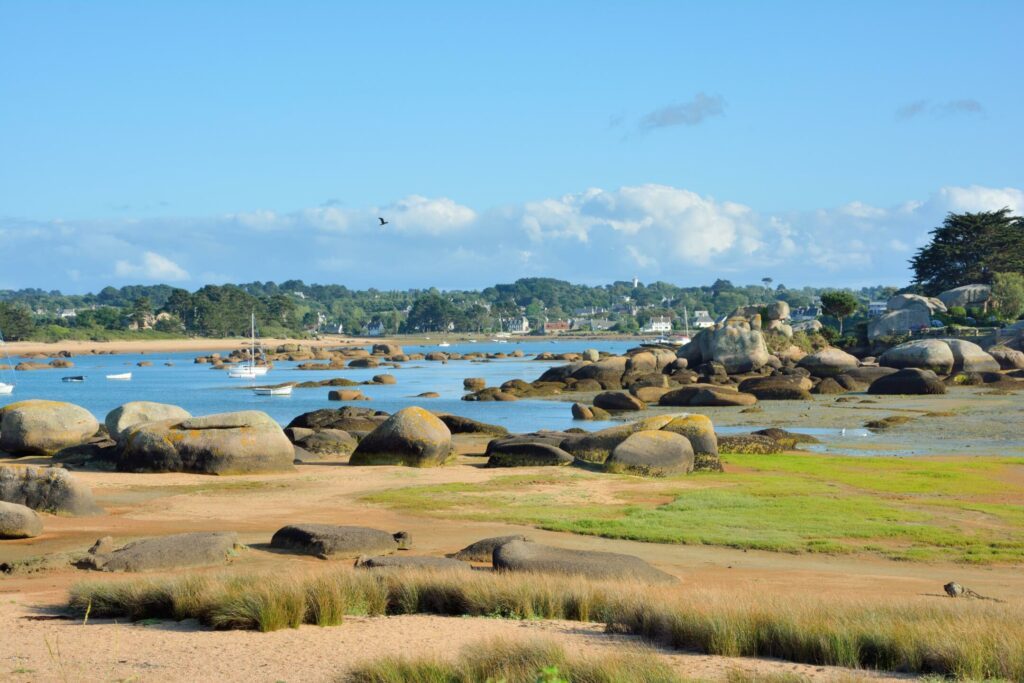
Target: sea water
column 202, row 391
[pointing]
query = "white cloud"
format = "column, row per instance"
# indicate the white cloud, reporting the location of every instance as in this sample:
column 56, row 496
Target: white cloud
column 596, row 235
column 153, row 266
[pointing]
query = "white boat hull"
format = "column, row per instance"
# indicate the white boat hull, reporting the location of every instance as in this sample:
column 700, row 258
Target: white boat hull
column 121, row 376
column 248, row 371
column 272, row 391
column 6, row 389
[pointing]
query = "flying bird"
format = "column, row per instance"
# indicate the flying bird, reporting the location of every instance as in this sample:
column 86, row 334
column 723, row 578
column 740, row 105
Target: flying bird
column 382, row 221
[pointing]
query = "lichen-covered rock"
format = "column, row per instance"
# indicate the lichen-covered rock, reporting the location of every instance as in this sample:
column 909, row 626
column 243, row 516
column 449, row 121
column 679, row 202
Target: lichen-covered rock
column 474, row 383
column 327, row 442
column 412, row 436
column 463, row 425
column 525, row 452
column 37, row 427
column 19, row 521
column 608, row 372
column 1008, row 359
column 523, row 556
column 969, row 357
column 330, row 541
column 168, row 552
column 126, row 416
column 652, row 454
column 966, row 296
column 698, row 429
column 352, row 419
column 49, row 489
column 908, row 381
column 749, row 444
column 244, row 442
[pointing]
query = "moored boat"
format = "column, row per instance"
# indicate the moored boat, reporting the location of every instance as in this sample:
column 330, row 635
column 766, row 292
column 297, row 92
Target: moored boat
column 120, row 376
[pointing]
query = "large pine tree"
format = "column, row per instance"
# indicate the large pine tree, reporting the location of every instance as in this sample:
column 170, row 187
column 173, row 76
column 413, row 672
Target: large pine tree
column 970, row 248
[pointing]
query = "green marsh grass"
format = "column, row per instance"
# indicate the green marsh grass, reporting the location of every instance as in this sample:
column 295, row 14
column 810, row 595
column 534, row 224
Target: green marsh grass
column 958, row 638
column 915, row 509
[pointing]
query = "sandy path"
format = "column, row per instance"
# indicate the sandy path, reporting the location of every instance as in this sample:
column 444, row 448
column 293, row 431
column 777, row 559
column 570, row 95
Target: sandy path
column 34, row 650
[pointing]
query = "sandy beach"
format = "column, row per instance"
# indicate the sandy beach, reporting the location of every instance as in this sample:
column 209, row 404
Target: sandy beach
column 170, row 345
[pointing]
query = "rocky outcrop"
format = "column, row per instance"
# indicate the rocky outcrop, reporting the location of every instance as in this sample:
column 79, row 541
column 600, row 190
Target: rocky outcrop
column 777, row 388
column 523, row 556
column 128, row 415
column 736, row 347
column 749, row 444
column 474, row 383
column 597, row 446
column 698, row 430
column 49, row 489
column 483, row 550
column 1008, row 359
column 463, row 425
column 966, row 296
column 346, row 395
column 608, row 372
column 327, row 443
column 329, row 542
column 652, row 454
column 36, row 427
column 168, row 552
column 245, row 442
column 969, row 357
column 19, row 521
column 908, row 381
column 902, row 321
column 412, row 436
column 351, row 419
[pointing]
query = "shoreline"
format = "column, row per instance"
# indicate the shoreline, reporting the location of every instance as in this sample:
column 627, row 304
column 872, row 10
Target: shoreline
column 80, row 347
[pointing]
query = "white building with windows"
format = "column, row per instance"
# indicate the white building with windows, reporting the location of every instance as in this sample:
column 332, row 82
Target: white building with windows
column 659, row 324
column 520, row 325
column 375, row 329
column 877, row 308
column 702, row 320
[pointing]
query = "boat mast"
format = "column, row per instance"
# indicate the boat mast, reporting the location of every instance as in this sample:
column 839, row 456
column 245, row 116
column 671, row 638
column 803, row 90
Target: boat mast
column 252, row 351
column 686, row 321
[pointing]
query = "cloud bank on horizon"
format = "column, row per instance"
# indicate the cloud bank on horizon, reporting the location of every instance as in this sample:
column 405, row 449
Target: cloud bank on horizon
column 655, row 232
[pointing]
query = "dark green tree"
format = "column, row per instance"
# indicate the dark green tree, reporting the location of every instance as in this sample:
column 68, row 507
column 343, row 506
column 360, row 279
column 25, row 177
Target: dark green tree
column 840, row 305
column 969, row 248
column 15, row 322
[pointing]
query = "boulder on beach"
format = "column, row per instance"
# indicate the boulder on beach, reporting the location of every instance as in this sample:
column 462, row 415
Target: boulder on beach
column 926, row 354
column 330, row 541
column 966, row 296
column 483, row 550
column 859, row 379
column 1008, row 359
column 908, row 381
column 523, row 556
column 243, row 442
column 47, row 489
column 411, row 562
column 387, row 349
column 524, row 451
column 19, row 521
column 413, row 436
column 597, row 446
column 167, row 552
column 969, row 357
column 384, row 379
column 327, row 442
column 608, row 372
column 777, row 388
column 352, row 419
column 699, row 431
column 652, row 454
column 37, row 427
column 121, row 419
column 618, row 401
column 750, row 444
column 709, row 395
column 828, row 362
column 463, row 425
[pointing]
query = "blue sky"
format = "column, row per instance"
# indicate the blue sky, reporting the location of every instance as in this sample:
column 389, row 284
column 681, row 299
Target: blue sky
column 815, row 143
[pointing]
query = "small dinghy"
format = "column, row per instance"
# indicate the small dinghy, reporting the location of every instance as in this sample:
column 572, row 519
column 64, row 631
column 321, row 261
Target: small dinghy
column 121, row 376
column 285, row 390
column 73, row 378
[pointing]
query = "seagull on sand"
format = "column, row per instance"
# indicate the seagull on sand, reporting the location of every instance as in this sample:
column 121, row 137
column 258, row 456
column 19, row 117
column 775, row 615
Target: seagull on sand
column 382, row 221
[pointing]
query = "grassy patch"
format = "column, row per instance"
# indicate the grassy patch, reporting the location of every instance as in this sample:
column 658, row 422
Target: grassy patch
column 918, row 509
column 976, row 640
column 531, row 661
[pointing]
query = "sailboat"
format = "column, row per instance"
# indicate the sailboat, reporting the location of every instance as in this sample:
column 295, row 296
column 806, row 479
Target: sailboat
column 6, row 388
column 249, row 370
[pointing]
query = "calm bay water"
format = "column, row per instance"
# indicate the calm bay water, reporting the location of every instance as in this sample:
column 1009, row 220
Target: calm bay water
column 201, row 390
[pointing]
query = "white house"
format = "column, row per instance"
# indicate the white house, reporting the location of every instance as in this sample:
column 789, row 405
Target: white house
column 375, row 328
column 702, row 319
column 660, row 324
column 520, row 325
column 877, row 308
